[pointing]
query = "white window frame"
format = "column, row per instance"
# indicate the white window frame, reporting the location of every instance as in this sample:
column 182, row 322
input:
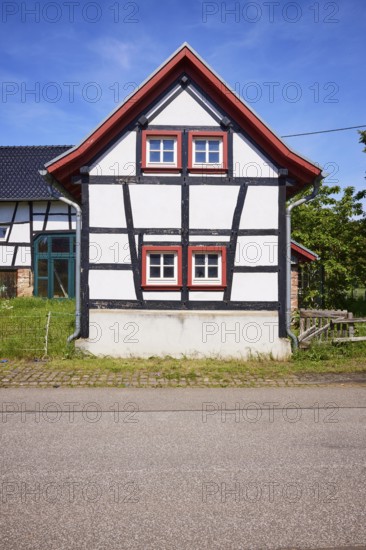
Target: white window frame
column 161, row 138
column 208, row 164
column 162, row 280
column 199, row 281
column 7, row 229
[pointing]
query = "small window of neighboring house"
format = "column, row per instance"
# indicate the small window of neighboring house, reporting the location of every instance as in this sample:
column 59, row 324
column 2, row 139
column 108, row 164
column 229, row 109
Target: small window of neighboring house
column 4, row 231
column 207, row 267
column 207, row 152
column 161, row 267
column 161, row 151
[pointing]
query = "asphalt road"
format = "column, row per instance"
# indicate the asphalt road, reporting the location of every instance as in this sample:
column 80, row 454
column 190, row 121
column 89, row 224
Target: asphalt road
column 183, row 468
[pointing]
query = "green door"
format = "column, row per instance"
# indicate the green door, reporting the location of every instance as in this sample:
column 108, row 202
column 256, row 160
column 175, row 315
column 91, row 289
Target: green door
column 54, row 265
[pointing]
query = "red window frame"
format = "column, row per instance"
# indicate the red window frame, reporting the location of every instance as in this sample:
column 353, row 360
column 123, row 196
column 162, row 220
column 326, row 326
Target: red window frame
column 206, row 250
column 208, row 170
column 159, row 134
column 169, row 249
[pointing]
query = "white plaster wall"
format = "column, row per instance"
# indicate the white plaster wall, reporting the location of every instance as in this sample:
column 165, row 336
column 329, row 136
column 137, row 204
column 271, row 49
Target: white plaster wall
column 249, row 162
column 38, row 220
column 6, row 255
column 206, row 296
column 22, row 214
column 20, row 233
column 57, row 223
column 152, row 295
column 39, row 207
column 119, row 159
column 212, row 206
column 255, row 287
column 109, row 249
column 156, row 206
column 172, row 238
column 6, row 211
column 204, row 238
column 184, row 111
column 256, row 250
column 106, row 206
column 260, row 208
column 59, row 207
column 23, row 257
column 235, row 334
column 111, row 285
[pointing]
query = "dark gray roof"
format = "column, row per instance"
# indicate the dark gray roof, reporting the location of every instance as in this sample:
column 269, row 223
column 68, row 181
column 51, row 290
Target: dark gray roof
column 19, row 165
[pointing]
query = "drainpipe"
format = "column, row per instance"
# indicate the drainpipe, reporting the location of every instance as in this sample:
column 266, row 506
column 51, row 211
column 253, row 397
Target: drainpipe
column 289, row 209
column 52, row 184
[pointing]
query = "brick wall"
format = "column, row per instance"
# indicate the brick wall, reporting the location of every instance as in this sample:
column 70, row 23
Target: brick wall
column 24, row 282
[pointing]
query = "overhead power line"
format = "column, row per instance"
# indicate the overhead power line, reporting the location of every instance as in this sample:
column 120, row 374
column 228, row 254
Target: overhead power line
column 325, row 131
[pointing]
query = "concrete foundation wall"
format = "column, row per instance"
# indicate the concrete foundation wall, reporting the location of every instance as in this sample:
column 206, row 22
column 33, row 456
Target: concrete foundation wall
column 234, row 334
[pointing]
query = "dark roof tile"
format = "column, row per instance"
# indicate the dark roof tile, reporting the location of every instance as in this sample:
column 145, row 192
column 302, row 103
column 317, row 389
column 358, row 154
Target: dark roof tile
column 19, row 165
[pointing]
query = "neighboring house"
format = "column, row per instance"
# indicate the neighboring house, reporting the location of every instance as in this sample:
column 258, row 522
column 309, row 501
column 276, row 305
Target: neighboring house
column 183, row 192
column 299, row 256
column 36, row 231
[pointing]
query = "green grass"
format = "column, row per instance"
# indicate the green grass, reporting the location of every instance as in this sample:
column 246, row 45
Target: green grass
column 23, row 327
column 22, row 330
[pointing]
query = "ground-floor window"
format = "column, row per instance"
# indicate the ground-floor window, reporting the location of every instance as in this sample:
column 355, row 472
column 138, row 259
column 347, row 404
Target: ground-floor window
column 54, row 265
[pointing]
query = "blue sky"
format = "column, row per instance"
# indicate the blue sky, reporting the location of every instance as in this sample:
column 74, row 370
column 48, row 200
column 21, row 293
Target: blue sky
column 300, row 65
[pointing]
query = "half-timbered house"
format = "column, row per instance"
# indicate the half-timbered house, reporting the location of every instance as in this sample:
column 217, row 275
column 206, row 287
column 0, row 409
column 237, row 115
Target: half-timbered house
column 37, row 232
column 183, row 190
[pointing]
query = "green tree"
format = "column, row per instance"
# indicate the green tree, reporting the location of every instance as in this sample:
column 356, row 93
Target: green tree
column 335, row 228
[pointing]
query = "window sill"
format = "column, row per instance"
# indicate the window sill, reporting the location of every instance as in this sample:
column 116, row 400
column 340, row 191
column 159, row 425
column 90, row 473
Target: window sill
column 161, row 287
column 207, row 287
column 162, row 168
column 208, row 170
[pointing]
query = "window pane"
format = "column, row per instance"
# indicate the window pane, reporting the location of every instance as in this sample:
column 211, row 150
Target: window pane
column 168, row 157
column 60, row 278
column 3, row 231
column 154, row 272
column 213, row 158
column 154, row 259
column 199, row 272
column 213, row 259
column 168, row 259
column 168, row 144
column 200, row 145
column 154, row 157
column 200, row 158
column 42, row 268
column 199, row 259
column 60, row 244
column 169, row 272
column 213, row 272
column 213, row 145
column 42, row 244
column 43, row 288
column 154, row 144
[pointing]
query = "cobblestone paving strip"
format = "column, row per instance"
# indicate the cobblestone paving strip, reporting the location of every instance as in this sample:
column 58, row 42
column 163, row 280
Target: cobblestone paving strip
column 38, row 375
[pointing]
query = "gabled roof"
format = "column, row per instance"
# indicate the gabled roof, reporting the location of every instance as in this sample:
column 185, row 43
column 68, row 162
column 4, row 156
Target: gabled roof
column 304, row 254
column 184, row 60
column 19, row 165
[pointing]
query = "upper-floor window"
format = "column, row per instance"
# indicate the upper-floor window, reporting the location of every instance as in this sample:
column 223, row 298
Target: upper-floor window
column 161, row 150
column 207, row 152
